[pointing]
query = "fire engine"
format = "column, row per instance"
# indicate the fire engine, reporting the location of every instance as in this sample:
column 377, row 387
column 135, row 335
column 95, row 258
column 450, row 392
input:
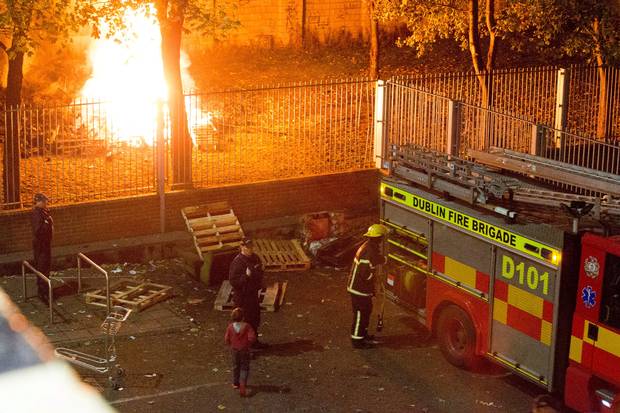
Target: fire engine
column 512, row 257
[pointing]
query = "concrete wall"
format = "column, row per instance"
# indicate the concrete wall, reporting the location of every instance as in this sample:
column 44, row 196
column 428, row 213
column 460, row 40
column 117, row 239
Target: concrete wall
column 130, row 217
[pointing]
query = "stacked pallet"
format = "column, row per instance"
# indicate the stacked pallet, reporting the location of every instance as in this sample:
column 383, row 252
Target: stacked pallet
column 214, row 227
column 271, row 298
column 281, row 255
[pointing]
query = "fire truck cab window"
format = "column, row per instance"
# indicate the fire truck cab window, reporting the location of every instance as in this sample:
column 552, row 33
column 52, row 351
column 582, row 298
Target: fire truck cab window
column 610, row 305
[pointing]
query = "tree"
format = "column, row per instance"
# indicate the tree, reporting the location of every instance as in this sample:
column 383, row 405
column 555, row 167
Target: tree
column 29, row 22
column 174, row 17
column 373, row 66
column 591, row 29
column 431, row 20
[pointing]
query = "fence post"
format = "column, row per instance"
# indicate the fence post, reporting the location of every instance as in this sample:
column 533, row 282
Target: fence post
column 160, row 165
column 561, row 104
column 453, row 142
column 536, row 144
column 379, row 130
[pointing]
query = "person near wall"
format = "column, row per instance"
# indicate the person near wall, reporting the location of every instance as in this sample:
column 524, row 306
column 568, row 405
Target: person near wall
column 246, row 279
column 42, row 233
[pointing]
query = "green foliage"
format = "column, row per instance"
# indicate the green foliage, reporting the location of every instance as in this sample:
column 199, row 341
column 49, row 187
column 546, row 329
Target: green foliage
column 430, row 20
column 205, row 16
column 29, row 22
column 527, row 23
column 216, row 21
column 427, row 21
column 580, row 28
column 590, row 29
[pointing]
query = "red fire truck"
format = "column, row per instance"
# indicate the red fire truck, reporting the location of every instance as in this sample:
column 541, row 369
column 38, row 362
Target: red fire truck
column 499, row 261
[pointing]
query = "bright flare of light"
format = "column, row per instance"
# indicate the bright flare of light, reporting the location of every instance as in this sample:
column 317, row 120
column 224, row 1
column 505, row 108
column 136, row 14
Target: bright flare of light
column 127, row 75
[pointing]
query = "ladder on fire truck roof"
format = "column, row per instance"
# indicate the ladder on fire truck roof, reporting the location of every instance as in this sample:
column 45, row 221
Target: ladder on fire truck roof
column 543, row 168
column 479, row 184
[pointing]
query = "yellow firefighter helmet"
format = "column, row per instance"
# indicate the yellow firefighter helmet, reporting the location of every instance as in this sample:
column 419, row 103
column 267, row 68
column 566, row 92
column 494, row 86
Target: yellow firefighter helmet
column 376, row 231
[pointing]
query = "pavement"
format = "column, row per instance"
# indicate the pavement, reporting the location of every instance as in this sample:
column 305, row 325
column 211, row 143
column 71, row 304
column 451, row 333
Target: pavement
column 309, row 366
column 75, row 320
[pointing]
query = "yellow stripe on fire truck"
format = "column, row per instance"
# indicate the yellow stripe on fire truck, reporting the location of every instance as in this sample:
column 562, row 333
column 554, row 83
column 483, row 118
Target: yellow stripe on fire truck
column 477, row 226
column 462, row 275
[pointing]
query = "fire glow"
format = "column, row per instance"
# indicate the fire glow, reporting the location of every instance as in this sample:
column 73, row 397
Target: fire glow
column 127, row 75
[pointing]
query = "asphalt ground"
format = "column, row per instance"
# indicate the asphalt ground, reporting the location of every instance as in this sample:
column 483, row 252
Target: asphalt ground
column 309, row 366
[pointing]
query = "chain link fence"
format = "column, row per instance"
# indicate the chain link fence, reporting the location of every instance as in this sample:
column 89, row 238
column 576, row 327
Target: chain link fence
column 588, row 95
column 434, row 121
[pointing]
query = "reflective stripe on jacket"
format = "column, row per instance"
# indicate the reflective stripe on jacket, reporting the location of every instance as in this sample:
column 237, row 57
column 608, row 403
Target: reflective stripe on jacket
column 362, row 276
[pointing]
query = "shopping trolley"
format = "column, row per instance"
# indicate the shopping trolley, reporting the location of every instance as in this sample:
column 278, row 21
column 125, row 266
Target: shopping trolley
column 107, row 365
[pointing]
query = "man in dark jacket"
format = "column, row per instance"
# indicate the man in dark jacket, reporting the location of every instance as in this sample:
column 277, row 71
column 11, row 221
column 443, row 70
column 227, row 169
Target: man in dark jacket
column 246, row 278
column 361, row 283
column 42, row 232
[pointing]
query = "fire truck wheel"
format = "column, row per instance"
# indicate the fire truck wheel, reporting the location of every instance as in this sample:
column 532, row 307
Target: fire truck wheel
column 457, row 337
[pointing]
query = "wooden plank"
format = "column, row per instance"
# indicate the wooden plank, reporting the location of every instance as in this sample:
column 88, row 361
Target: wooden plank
column 211, row 207
column 300, row 251
column 269, row 299
column 213, row 219
column 282, row 292
column 212, row 247
column 223, row 296
column 233, row 236
column 213, row 224
column 202, row 242
column 215, row 230
column 223, row 246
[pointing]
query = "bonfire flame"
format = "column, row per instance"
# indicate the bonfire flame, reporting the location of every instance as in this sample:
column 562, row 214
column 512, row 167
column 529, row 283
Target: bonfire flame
column 127, row 75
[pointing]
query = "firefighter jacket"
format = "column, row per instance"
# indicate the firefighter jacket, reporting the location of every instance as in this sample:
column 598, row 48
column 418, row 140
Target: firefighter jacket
column 362, row 277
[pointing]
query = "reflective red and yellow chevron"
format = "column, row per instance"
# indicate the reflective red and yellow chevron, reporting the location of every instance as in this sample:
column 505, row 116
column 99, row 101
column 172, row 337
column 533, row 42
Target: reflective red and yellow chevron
column 602, row 355
column 523, row 311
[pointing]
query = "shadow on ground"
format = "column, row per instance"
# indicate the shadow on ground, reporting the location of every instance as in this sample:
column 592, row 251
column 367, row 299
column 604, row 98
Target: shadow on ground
column 290, row 348
column 268, row 388
column 402, row 341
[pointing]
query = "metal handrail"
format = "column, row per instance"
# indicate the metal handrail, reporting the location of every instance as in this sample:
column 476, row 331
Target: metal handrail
column 46, row 279
column 81, row 257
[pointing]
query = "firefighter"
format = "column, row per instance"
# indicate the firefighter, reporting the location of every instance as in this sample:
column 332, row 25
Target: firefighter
column 42, row 232
column 246, row 278
column 361, row 284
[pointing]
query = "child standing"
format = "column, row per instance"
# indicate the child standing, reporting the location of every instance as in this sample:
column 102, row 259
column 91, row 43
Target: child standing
column 239, row 337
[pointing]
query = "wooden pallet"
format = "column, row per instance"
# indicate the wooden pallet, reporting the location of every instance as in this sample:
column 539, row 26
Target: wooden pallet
column 281, row 255
column 131, row 294
column 214, row 227
column 271, row 298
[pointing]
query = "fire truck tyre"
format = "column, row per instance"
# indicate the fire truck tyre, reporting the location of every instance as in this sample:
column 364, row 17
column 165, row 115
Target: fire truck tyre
column 457, row 337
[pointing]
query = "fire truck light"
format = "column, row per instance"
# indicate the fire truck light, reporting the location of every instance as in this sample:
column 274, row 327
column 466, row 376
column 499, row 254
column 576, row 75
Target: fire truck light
column 606, row 404
column 555, row 258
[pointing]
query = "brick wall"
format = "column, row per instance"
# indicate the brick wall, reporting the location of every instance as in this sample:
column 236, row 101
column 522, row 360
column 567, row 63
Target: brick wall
column 333, row 18
column 267, row 23
column 100, row 221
